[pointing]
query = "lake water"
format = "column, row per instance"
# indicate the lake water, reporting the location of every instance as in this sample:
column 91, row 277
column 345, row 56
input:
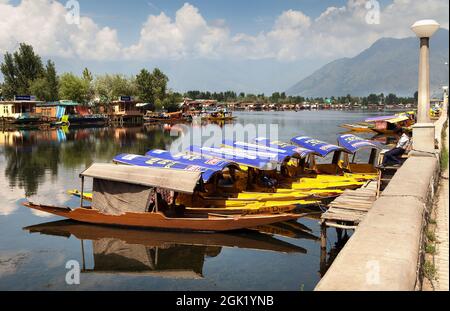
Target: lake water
column 35, row 247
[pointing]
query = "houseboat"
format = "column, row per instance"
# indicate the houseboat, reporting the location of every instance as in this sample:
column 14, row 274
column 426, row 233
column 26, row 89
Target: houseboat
column 66, row 112
column 20, row 111
column 125, row 110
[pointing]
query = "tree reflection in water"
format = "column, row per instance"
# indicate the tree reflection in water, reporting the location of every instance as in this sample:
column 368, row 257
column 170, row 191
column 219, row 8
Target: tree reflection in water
column 31, row 155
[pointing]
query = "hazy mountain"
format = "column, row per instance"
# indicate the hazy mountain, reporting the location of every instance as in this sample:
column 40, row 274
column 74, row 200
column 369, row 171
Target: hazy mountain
column 388, row 66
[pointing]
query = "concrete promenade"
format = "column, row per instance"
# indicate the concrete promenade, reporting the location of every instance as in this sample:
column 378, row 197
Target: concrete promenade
column 383, row 253
column 387, row 249
column 442, row 211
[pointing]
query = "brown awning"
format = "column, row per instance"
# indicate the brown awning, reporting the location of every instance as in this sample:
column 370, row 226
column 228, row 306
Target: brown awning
column 176, row 180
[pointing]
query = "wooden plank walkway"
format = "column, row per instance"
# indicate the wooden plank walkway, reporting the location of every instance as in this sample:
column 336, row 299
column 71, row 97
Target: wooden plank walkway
column 349, row 209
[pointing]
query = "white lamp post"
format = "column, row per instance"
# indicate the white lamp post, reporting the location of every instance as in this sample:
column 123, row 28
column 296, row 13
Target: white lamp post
column 423, row 131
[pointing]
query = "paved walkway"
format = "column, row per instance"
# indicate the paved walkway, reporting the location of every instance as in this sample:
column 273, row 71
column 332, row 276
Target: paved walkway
column 442, row 211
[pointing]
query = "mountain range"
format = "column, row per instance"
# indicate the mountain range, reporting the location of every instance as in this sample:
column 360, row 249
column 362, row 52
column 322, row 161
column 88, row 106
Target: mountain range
column 388, row 66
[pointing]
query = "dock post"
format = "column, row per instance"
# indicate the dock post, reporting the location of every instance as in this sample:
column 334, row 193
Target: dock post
column 323, row 235
column 323, row 248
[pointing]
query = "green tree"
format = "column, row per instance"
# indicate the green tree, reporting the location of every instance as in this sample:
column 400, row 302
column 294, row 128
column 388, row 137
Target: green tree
column 391, row 99
column 111, row 87
column 152, row 87
column 373, row 99
column 172, row 101
column 89, row 80
column 52, row 81
column 46, row 87
column 144, row 86
column 20, row 70
column 159, row 84
column 73, row 88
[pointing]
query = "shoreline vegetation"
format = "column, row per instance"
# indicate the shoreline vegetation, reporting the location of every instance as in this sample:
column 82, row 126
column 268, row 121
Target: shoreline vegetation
column 25, row 74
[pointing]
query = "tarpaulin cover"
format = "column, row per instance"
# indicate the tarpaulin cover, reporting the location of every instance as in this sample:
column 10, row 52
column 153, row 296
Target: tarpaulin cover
column 117, row 198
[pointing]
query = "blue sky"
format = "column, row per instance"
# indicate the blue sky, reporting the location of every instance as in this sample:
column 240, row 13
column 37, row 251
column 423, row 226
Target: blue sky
column 250, row 16
column 251, row 46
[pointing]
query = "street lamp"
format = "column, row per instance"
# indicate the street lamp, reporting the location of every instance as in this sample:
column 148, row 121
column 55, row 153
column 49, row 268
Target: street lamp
column 424, row 29
column 423, row 131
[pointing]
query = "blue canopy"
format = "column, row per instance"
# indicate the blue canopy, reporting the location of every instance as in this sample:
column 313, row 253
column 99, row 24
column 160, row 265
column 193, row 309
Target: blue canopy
column 318, row 146
column 216, row 164
column 138, row 160
column 354, row 143
column 239, row 156
column 261, row 151
column 291, row 150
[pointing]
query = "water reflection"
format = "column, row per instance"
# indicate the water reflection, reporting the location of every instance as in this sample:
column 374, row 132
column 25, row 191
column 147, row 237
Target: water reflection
column 45, row 163
column 32, row 154
column 163, row 254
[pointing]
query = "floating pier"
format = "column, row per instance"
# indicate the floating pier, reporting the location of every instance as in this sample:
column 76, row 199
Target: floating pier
column 349, row 209
column 345, row 213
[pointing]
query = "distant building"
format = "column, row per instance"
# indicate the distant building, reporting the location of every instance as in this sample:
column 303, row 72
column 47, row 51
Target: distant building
column 21, row 106
column 55, row 110
column 198, row 104
column 125, row 106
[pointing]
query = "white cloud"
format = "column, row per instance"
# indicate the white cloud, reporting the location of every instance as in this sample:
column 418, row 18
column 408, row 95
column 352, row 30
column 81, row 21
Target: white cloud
column 338, row 31
column 42, row 23
column 187, row 35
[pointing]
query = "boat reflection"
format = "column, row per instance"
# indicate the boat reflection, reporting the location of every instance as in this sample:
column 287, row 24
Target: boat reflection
column 158, row 253
column 290, row 229
column 386, row 139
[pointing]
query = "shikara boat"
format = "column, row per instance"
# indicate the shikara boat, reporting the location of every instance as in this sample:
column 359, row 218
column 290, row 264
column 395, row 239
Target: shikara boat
column 231, row 206
column 354, row 144
column 242, row 166
column 357, row 127
column 262, row 164
column 323, row 149
column 218, row 116
column 150, row 117
column 130, row 196
column 391, row 124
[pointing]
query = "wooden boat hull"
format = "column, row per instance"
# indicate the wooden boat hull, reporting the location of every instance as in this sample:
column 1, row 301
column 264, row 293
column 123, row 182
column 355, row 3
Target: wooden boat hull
column 357, row 128
column 234, row 206
column 158, row 220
